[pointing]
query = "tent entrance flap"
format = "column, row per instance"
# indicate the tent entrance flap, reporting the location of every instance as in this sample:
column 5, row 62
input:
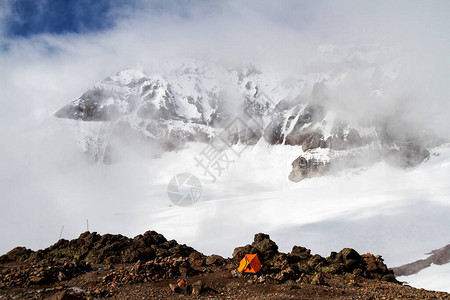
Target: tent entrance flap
column 250, row 264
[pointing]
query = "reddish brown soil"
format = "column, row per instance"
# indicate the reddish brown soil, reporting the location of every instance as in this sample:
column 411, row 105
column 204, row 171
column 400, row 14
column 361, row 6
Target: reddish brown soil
column 219, row 284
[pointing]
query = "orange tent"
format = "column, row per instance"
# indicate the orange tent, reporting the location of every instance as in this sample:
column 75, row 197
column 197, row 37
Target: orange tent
column 250, row 264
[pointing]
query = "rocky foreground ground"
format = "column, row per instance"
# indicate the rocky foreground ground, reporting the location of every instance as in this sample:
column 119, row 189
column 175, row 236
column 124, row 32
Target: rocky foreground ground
column 151, row 267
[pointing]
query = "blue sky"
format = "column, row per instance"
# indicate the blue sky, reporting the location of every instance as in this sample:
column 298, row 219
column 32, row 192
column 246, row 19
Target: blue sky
column 25, row 18
column 29, row 17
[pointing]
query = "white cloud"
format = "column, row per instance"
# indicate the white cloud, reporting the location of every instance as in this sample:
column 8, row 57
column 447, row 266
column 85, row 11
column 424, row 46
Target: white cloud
column 45, row 184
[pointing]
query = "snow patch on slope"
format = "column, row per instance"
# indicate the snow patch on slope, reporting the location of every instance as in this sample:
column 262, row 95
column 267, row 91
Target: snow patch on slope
column 435, row 277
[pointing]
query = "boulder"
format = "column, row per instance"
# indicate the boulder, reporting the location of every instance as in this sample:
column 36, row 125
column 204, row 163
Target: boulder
column 196, row 259
column 316, row 262
column 239, row 253
column 215, row 260
column 264, row 246
column 301, row 252
column 307, row 167
column 351, row 260
column 376, row 268
column 259, row 237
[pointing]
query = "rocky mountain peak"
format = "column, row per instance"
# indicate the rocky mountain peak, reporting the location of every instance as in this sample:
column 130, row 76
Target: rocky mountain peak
column 196, row 100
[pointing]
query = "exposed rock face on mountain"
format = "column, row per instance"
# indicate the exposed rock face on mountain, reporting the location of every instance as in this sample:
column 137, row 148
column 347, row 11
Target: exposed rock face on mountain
column 320, row 161
column 438, row 257
column 195, row 102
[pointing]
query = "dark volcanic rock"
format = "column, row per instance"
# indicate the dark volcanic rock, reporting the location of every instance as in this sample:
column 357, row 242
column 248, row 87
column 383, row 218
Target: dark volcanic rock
column 281, row 267
column 301, row 252
column 151, row 258
column 215, row 259
column 264, row 246
column 155, row 270
column 351, row 259
column 240, row 252
column 16, row 254
column 196, row 259
column 105, row 249
column 42, row 274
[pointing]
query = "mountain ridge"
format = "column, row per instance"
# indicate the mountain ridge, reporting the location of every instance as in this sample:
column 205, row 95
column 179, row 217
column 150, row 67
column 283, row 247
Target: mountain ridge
column 195, row 104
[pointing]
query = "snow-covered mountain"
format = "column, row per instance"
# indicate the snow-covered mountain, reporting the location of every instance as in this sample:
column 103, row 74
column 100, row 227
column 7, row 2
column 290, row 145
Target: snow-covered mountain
column 187, row 105
column 197, row 101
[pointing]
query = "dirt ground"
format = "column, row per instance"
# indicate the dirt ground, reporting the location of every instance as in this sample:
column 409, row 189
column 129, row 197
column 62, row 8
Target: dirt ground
column 218, row 283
